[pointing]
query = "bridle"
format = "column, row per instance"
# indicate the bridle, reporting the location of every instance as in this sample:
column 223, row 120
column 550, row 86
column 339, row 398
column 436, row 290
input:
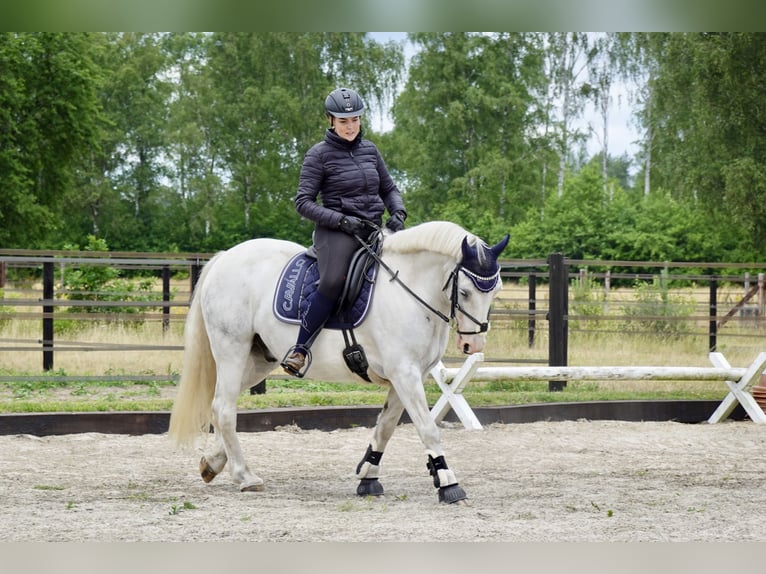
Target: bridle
column 455, row 301
column 452, row 283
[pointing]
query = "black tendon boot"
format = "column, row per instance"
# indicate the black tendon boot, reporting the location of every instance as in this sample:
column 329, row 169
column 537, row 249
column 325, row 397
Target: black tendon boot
column 318, row 311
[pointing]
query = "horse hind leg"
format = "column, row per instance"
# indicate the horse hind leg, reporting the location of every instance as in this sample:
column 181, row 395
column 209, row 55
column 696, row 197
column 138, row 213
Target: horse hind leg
column 231, row 370
column 212, row 463
column 258, row 364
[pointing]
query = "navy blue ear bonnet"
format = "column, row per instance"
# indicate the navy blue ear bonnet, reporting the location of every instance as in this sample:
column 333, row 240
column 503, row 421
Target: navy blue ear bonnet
column 484, row 271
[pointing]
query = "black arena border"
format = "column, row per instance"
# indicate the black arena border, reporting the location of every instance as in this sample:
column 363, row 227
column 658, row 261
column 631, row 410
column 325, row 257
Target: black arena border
column 332, row 418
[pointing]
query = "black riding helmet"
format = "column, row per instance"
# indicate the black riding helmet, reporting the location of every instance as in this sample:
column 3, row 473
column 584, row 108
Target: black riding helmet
column 344, row 103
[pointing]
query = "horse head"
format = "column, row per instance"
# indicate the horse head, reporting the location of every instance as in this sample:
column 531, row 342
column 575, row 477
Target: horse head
column 476, row 281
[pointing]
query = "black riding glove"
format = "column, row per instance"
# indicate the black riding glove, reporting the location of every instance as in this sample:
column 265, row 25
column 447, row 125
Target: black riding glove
column 396, row 221
column 351, row 225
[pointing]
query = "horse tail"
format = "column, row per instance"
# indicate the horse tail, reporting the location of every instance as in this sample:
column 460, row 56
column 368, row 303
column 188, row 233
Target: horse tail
column 192, row 408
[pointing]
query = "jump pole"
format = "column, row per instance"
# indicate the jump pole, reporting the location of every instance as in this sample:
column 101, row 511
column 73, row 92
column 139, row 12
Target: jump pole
column 739, row 381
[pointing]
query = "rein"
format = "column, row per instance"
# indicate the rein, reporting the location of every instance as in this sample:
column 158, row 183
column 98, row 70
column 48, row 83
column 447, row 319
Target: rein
column 454, row 301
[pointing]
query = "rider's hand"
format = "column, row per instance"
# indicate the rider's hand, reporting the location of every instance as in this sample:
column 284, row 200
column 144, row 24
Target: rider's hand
column 351, row 225
column 396, row 221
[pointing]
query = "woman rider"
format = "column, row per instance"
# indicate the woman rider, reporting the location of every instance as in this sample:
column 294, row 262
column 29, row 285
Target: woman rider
column 350, row 177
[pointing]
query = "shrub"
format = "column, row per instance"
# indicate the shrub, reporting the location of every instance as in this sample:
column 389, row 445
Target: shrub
column 657, row 311
column 587, row 299
column 99, row 283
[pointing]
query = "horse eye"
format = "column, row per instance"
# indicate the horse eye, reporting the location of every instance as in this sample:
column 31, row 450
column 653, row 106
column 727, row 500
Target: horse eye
column 463, row 293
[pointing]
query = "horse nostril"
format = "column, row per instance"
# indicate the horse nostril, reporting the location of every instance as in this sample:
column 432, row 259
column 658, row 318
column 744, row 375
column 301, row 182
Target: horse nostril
column 467, row 349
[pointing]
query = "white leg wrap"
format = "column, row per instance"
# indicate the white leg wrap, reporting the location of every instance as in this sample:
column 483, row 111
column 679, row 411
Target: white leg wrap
column 446, row 477
column 368, row 470
column 439, row 470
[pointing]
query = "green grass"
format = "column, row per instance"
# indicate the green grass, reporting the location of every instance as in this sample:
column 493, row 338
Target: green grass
column 47, row 396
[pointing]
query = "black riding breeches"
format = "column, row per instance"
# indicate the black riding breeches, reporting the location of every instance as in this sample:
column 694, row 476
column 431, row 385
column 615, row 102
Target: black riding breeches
column 334, row 250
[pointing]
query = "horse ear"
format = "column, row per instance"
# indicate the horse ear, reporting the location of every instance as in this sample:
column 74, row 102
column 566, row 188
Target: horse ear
column 498, row 249
column 468, row 251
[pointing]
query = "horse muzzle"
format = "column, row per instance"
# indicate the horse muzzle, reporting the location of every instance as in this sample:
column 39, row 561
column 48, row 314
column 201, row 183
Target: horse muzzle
column 471, row 343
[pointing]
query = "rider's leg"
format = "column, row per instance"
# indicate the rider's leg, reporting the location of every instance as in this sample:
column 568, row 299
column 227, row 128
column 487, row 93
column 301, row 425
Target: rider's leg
column 317, row 312
column 334, row 251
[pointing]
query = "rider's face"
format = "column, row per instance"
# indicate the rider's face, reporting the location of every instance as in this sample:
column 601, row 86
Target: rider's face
column 347, row 128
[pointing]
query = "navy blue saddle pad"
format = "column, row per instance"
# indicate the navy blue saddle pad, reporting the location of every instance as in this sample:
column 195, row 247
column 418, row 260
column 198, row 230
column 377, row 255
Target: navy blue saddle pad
column 300, row 278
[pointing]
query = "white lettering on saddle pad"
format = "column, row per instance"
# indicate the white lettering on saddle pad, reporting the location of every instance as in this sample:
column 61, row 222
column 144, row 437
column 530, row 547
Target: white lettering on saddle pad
column 288, row 299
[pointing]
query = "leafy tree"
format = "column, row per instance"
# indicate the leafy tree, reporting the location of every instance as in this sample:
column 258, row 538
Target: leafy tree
column 707, row 121
column 463, row 124
column 48, row 120
column 192, row 141
column 187, row 211
column 136, row 98
column 568, row 56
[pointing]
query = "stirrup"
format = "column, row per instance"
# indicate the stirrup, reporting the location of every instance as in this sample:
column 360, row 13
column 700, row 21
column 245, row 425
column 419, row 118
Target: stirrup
column 306, row 361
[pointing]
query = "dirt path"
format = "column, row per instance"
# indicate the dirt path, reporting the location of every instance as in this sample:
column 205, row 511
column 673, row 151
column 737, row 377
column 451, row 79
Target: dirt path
column 545, row 481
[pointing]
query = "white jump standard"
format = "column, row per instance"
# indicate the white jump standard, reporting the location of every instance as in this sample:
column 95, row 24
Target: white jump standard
column 739, row 381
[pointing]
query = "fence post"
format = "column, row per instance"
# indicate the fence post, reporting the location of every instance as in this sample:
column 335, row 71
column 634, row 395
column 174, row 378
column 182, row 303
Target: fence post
column 713, row 310
column 48, row 275
column 3, row 273
column 165, row 297
column 194, row 271
column 558, row 310
column 531, row 324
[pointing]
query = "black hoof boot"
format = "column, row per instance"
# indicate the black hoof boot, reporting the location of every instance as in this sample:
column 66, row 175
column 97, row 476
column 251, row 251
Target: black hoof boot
column 451, row 494
column 369, row 487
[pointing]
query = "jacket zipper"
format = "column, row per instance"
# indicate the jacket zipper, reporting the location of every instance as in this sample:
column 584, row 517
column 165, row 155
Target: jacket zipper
column 359, row 167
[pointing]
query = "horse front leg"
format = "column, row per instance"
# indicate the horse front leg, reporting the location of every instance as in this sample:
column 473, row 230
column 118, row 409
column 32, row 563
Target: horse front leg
column 368, row 469
column 413, row 396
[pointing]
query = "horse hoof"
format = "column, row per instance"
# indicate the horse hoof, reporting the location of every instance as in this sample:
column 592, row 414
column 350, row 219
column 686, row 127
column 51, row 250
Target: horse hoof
column 255, row 487
column 369, row 487
column 206, row 471
column 451, row 494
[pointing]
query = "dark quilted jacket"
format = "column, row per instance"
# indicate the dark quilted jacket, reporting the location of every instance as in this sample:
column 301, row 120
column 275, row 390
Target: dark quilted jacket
column 350, row 178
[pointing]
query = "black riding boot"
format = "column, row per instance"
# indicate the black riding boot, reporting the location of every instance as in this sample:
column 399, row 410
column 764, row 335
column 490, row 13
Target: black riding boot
column 317, row 313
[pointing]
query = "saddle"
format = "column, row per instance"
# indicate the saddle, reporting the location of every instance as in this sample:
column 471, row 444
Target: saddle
column 300, row 278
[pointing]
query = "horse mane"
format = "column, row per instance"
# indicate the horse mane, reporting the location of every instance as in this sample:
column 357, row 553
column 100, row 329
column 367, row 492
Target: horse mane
column 443, row 237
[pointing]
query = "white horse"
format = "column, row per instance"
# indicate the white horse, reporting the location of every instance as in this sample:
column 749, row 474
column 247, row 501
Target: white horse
column 433, row 272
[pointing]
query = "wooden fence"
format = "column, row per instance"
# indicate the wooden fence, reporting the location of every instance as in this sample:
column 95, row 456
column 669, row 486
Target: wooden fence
column 550, row 296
